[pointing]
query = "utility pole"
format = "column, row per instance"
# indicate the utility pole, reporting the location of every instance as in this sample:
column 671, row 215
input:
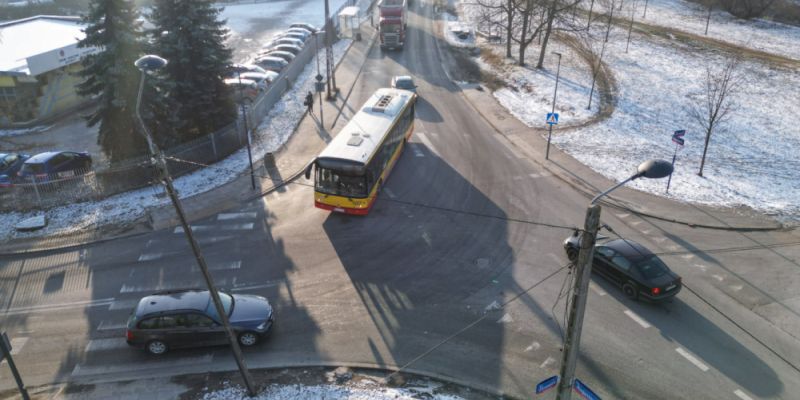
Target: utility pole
column 318, row 81
column 583, row 275
column 332, row 89
column 153, row 63
column 653, row 169
column 246, row 131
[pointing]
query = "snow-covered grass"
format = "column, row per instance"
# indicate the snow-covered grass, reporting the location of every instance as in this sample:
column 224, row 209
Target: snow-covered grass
column 768, row 36
column 23, row 131
column 752, row 162
column 365, row 390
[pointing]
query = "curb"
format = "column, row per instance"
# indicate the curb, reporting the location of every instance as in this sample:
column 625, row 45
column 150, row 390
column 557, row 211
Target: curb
column 5, row 251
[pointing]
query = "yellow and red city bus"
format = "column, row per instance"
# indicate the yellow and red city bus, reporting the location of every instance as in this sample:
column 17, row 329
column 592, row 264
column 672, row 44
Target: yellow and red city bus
column 349, row 173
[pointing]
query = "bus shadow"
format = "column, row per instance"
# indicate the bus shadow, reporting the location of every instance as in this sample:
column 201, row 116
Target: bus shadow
column 413, row 266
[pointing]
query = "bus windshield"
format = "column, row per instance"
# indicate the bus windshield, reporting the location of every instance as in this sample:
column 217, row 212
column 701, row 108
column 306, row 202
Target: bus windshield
column 331, row 182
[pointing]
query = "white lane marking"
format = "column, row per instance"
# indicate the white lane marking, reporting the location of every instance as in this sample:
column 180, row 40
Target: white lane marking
column 80, row 370
column 17, row 344
column 635, row 223
column 106, row 344
column 692, row 359
column 596, row 289
column 646, row 231
column 110, row 326
column 428, row 144
column 60, row 306
column 150, row 243
column 417, row 152
column 505, row 319
column 226, row 227
column 150, row 256
column 742, row 395
column 389, row 193
column 688, row 256
column 213, row 239
column 736, row 287
column 718, row 277
column 239, row 215
column 259, row 286
column 623, row 215
column 533, row 346
column 123, row 304
column 701, row 266
column 158, row 287
column 660, row 239
column 219, row 266
column 494, row 306
column 632, row 315
column 547, row 362
column 540, row 175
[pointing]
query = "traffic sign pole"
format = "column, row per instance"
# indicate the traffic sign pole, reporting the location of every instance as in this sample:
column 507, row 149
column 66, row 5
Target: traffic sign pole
column 674, row 155
column 5, row 346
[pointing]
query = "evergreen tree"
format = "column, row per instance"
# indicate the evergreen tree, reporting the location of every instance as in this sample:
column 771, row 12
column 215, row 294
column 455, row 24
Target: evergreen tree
column 189, row 34
column 110, row 75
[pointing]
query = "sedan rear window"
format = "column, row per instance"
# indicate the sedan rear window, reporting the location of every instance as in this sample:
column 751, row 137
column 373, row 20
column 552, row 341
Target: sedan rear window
column 652, row 268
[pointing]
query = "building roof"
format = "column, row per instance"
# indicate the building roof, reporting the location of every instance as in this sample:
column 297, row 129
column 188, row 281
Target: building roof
column 29, row 37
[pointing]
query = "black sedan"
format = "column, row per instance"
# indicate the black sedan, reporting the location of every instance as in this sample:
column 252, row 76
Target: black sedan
column 628, row 264
column 188, row 318
column 10, row 163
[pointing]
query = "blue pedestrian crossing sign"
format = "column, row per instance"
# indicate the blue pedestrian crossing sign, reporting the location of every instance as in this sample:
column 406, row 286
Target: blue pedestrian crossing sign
column 552, row 118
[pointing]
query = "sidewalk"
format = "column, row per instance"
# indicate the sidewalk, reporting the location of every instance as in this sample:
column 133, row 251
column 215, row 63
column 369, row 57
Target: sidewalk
column 271, row 173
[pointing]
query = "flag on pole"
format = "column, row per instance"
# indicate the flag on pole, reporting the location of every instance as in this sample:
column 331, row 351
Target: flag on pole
column 677, row 137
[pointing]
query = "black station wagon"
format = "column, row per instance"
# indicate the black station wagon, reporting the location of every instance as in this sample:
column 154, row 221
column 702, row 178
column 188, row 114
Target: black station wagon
column 188, row 318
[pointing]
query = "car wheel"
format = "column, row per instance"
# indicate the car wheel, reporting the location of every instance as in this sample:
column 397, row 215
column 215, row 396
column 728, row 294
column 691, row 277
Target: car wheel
column 248, row 339
column 572, row 254
column 630, row 290
column 156, row 347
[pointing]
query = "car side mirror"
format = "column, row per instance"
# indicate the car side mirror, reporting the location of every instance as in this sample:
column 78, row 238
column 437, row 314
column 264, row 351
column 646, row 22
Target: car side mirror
column 308, row 170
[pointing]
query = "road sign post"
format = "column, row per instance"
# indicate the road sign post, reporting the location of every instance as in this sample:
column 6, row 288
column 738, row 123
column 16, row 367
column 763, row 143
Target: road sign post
column 5, row 347
column 552, row 119
column 677, row 138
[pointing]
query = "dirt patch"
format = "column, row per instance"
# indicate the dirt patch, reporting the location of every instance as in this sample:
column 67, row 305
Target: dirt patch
column 202, row 384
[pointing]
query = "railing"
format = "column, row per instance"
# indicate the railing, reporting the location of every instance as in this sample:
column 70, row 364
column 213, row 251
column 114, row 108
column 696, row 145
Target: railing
column 138, row 172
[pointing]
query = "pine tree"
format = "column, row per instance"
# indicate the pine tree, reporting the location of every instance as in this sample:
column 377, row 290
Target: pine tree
column 110, row 75
column 189, row 34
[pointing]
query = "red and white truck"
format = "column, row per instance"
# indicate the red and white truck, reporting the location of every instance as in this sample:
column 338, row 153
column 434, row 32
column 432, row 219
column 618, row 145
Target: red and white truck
column 392, row 23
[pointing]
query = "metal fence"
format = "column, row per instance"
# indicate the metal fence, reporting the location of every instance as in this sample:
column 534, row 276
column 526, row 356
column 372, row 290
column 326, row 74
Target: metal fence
column 137, row 173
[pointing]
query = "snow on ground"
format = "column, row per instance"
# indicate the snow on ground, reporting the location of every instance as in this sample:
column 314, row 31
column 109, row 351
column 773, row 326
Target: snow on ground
column 361, row 391
column 273, row 132
column 768, row 36
column 23, row 131
column 752, row 163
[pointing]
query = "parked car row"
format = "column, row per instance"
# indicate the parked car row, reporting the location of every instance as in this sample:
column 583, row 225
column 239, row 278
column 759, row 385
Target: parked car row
column 43, row 167
column 250, row 80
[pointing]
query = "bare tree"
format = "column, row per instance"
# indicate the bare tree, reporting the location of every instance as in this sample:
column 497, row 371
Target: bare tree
column 714, row 104
column 556, row 12
column 501, row 14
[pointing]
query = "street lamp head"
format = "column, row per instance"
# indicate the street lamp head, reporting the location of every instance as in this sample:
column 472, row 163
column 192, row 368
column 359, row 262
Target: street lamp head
column 150, row 62
column 654, row 169
column 557, row 53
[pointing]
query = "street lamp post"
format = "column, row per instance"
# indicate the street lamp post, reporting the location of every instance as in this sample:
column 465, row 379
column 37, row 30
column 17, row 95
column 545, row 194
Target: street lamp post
column 246, row 131
column 154, row 63
column 318, row 81
column 555, row 93
column 653, row 169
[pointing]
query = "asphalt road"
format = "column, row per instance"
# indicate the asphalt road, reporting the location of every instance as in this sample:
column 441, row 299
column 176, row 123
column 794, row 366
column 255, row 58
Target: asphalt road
column 465, row 221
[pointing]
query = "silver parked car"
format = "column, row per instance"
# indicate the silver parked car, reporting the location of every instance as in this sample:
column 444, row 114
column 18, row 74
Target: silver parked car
column 271, row 63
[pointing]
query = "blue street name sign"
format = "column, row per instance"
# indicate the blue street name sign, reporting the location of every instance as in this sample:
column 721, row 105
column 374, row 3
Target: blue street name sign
column 677, row 137
column 547, row 384
column 584, row 391
column 552, row 118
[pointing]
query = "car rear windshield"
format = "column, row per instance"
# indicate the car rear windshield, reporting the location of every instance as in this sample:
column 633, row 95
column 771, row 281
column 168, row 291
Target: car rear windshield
column 227, row 304
column 31, row 168
column 652, row 268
